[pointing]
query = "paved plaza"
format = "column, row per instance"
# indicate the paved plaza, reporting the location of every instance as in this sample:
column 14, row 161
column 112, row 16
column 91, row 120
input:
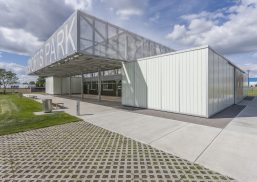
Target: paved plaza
column 230, row 150
column 84, row 152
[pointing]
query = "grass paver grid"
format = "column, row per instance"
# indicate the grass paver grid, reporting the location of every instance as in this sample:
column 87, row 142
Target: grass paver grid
column 83, row 152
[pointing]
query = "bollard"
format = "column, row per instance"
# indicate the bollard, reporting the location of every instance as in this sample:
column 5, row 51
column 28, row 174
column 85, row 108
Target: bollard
column 78, row 107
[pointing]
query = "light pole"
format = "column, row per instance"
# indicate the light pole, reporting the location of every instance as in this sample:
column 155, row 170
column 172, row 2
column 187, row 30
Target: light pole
column 248, row 71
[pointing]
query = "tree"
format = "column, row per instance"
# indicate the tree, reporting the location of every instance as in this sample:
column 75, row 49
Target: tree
column 32, row 83
column 40, row 81
column 7, row 78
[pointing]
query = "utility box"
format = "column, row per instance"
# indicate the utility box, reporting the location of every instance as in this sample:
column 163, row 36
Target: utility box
column 47, row 105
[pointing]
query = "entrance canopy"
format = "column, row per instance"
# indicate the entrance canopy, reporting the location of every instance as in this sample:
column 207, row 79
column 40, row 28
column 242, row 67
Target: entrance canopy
column 85, row 44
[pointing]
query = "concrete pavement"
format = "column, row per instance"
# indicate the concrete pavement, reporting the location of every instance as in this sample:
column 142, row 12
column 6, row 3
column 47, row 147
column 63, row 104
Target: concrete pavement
column 234, row 151
column 231, row 151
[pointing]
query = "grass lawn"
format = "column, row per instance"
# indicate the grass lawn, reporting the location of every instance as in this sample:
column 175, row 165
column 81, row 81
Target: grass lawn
column 16, row 115
column 252, row 91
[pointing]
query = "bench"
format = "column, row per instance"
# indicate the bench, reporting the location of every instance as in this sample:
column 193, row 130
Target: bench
column 59, row 105
column 32, row 96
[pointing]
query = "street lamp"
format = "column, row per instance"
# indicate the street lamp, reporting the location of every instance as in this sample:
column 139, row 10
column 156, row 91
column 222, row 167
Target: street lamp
column 248, row 71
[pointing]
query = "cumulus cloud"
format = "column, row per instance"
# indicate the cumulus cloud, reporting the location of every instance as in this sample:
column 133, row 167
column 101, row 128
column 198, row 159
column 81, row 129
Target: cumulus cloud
column 125, row 9
column 18, row 40
column 30, row 22
column 20, row 70
column 79, row 4
column 229, row 30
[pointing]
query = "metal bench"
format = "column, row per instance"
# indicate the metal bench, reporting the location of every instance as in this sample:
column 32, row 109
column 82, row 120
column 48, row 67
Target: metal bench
column 57, row 105
column 32, row 96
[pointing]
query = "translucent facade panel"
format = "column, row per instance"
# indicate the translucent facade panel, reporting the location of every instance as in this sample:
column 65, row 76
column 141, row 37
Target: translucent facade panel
column 83, row 33
column 110, row 41
column 140, row 84
column 240, row 85
column 220, row 84
column 128, row 84
column 61, row 44
column 174, row 82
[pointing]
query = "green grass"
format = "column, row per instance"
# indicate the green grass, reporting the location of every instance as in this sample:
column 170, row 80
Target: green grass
column 16, row 115
column 252, row 92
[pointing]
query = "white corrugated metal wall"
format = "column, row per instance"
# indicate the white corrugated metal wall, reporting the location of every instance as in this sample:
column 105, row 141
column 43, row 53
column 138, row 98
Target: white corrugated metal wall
column 175, row 82
column 196, row 82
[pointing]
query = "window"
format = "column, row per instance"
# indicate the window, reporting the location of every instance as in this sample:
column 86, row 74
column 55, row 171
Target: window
column 108, row 86
column 93, row 86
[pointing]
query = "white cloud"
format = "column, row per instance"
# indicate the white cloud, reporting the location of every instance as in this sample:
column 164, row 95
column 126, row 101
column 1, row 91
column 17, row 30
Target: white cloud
column 18, row 41
column 231, row 30
column 125, row 9
column 125, row 14
column 20, row 70
column 79, row 4
column 1, row 54
column 25, row 24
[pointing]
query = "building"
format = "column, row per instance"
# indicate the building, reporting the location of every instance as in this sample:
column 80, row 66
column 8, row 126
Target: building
column 87, row 55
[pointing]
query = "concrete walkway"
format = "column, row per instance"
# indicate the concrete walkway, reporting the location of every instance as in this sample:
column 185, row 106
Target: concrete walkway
column 231, row 151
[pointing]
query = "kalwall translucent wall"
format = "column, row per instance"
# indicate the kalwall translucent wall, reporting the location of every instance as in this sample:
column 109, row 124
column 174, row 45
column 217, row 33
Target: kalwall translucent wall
column 241, row 85
column 220, row 83
column 57, row 85
column 175, row 82
column 83, row 33
column 196, row 82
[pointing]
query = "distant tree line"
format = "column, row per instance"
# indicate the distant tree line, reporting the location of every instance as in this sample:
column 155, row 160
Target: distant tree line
column 39, row 83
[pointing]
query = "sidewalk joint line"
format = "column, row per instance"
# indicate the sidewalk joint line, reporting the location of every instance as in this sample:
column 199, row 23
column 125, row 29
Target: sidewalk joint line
column 167, row 134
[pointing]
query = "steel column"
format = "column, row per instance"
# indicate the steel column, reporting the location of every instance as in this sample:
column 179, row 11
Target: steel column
column 70, row 87
column 99, row 85
column 117, row 93
column 61, row 84
column 82, row 86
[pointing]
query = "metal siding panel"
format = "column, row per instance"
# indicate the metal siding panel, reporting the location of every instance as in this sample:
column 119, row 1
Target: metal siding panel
column 204, row 81
column 182, row 75
column 166, row 90
column 200, row 82
column 216, row 82
column 193, row 75
column 210, row 83
column 153, row 83
column 219, row 84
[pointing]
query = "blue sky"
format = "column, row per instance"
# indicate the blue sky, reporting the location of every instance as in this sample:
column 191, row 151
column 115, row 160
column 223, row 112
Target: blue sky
column 229, row 26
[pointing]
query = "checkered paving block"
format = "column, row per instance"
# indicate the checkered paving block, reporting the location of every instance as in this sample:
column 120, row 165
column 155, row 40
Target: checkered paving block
column 84, row 152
